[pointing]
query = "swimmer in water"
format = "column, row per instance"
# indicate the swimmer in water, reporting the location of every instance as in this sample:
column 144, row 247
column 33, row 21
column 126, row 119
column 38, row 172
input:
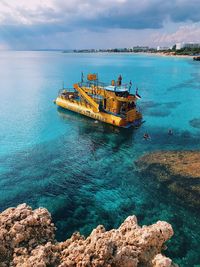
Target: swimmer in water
column 146, row 136
column 170, row 132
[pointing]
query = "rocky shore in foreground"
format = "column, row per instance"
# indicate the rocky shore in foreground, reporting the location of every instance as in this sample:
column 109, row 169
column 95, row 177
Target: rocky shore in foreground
column 179, row 171
column 27, row 239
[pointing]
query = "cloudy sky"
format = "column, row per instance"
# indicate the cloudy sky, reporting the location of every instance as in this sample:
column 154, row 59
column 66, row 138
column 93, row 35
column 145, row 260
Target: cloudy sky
column 69, row 24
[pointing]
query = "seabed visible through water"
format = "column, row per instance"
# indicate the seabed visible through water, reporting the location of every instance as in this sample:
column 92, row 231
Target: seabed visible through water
column 82, row 171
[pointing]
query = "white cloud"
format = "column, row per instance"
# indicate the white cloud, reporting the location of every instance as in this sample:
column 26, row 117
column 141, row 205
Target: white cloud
column 185, row 33
column 47, row 11
column 4, row 46
column 25, row 12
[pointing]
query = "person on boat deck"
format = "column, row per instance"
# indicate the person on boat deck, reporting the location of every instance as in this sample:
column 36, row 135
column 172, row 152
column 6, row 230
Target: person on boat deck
column 123, row 108
column 113, row 82
column 119, row 81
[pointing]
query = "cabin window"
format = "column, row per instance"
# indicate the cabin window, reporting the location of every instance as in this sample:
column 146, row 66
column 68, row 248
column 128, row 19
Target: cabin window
column 104, row 103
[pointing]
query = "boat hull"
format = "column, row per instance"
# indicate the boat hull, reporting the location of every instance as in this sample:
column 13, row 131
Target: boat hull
column 80, row 108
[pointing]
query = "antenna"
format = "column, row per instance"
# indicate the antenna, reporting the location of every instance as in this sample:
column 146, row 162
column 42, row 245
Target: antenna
column 82, row 77
column 63, row 85
column 130, row 85
column 97, row 79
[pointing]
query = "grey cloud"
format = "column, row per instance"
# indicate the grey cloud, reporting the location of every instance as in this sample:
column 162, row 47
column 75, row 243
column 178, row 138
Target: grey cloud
column 186, row 11
column 130, row 14
column 99, row 15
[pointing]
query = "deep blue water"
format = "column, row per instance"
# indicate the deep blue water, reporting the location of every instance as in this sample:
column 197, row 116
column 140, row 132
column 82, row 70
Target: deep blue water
column 83, row 172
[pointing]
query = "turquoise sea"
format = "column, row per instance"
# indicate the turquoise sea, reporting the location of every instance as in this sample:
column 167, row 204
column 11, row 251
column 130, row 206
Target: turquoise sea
column 84, row 172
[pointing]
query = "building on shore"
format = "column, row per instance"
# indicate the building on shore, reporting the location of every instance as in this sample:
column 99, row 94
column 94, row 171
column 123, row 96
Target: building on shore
column 140, row 48
column 162, row 48
column 187, row 45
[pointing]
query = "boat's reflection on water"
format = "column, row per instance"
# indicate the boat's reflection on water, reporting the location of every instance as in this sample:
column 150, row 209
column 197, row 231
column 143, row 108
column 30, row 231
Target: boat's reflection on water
column 90, row 128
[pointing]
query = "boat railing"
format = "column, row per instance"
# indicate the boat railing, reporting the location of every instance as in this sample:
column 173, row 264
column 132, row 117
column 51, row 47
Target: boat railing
column 91, row 83
column 103, row 85
column 61, row 91
column 125, row 86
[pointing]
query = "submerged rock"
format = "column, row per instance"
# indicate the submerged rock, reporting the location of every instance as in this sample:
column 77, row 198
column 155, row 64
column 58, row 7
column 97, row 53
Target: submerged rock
column 27, row 240
column 195, row 123
column 178, row 170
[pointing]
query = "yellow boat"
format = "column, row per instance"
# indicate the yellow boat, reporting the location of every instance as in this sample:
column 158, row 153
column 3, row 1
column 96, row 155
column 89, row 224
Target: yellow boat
column 111, row 104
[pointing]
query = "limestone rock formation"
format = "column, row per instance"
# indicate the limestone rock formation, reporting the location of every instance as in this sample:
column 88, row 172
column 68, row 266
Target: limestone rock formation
column 178, row 170
column 22, row 228
column 27, row 240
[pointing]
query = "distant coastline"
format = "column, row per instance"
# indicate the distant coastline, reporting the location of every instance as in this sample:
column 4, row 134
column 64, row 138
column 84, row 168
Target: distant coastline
column 189, row 53
column 162, row 54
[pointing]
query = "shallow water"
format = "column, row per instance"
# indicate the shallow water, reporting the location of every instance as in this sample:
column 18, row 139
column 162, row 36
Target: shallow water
column 83, row 172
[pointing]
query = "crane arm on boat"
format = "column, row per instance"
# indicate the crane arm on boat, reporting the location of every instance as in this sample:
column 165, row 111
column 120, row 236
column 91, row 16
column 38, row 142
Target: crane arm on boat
column 95, row 106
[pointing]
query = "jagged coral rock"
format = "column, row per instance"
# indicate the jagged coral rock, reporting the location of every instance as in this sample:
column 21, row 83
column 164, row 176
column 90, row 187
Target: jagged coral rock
column 41, row 256
column 23, row 227
column 161, row 261
column 27, row 240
